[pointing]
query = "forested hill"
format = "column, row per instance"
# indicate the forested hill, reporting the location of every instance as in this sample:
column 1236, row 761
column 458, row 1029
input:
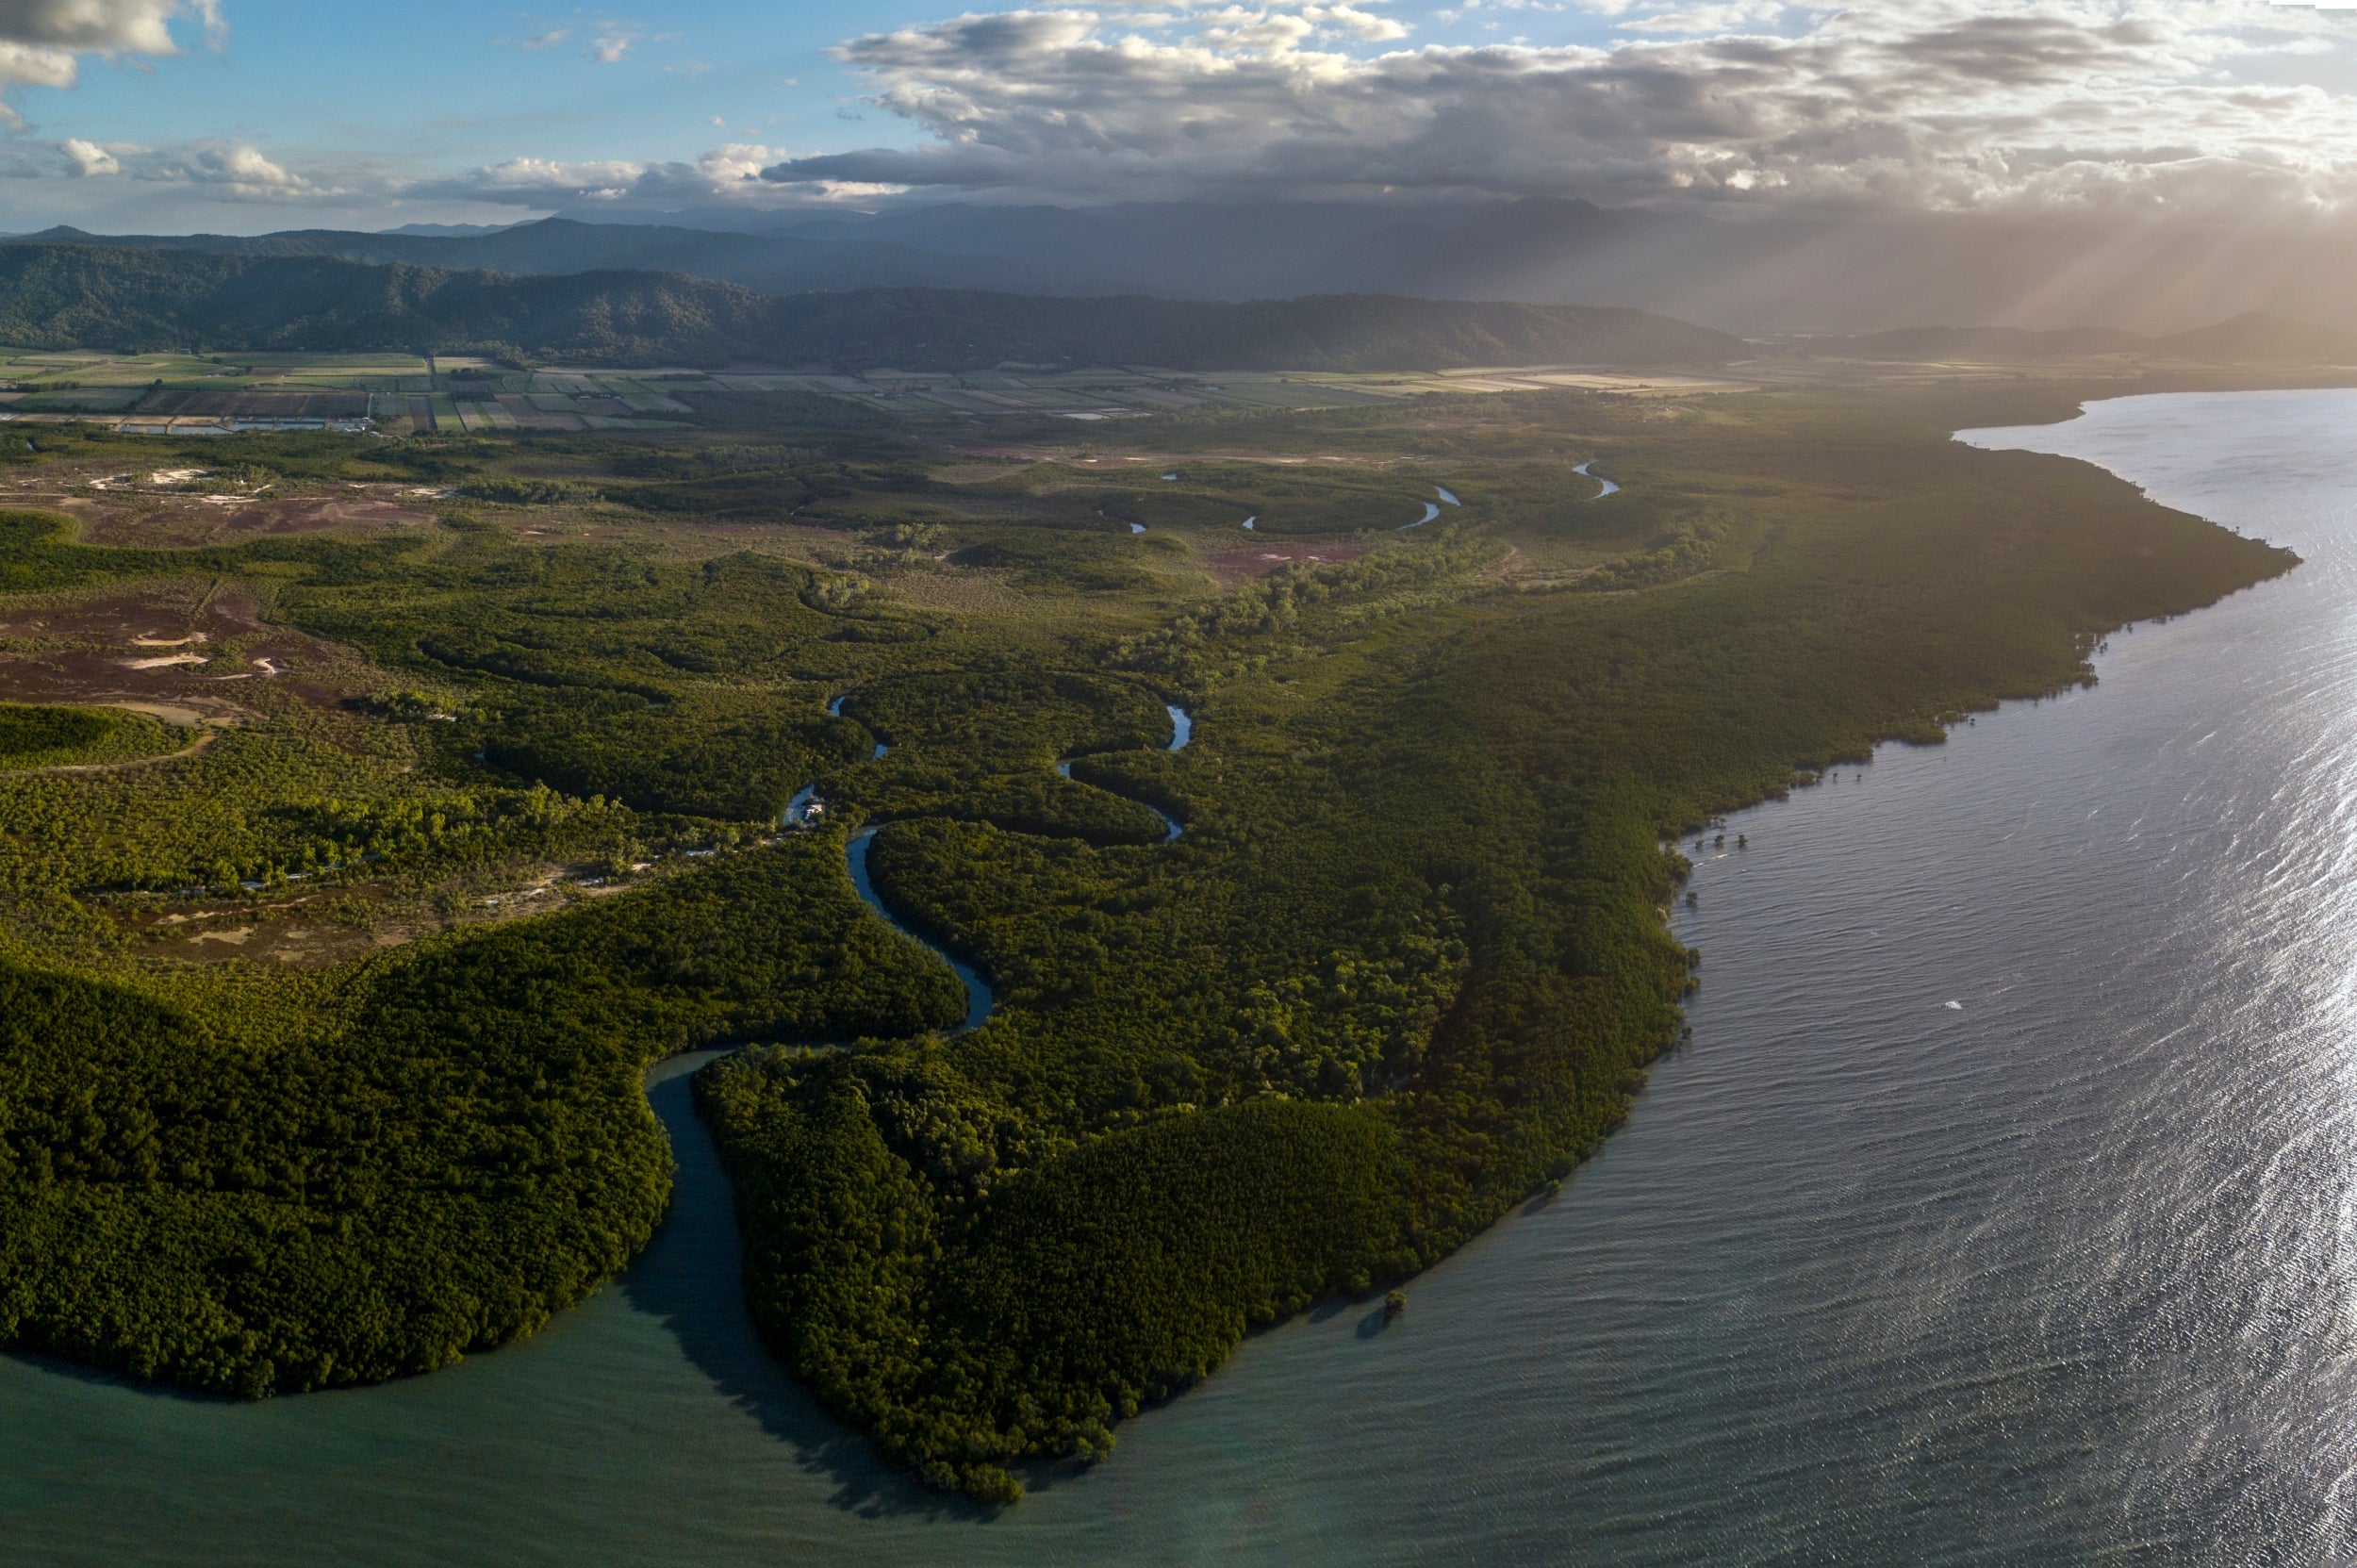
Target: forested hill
column 64, row 296
column 771, row 264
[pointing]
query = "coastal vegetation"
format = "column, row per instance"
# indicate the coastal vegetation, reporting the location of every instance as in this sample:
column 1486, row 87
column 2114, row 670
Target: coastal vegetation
column 1403, row 967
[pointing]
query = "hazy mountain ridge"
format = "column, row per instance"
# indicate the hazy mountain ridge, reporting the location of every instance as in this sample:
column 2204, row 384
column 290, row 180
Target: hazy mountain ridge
column 771, row 264
column 1795, row 272
column 1758, row 275
column 71, row 295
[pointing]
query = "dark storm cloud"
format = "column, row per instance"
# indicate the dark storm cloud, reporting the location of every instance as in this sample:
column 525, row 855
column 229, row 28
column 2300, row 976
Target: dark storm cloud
column 1922, row 101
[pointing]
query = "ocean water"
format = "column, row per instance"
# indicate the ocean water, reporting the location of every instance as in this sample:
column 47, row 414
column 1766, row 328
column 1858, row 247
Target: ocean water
column 2065, row 1272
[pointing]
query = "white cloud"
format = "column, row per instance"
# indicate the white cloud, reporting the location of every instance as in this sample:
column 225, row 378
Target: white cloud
column 131, row 27
column 730, row 172
column 237, row 171
column 41, row 39
column 41, row 43
column 35, row 66
column 88, row 158
column 238, row 165
column 609, row 46
column 233, row 170
column 1363, row 23
column 1934, row 102
column 1731, row 16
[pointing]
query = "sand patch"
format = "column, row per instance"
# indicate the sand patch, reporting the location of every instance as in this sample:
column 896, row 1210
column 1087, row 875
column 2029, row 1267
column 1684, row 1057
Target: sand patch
column 187, row 718
column 339, row 921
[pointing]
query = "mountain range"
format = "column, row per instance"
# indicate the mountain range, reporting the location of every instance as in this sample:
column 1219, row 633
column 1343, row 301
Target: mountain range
column 769, row 264
column 1755, row 275
column 61, row 295
column 1796, row 273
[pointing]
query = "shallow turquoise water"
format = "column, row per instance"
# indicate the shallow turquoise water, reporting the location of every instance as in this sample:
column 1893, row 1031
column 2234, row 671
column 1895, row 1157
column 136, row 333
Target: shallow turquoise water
column 2067, row 1273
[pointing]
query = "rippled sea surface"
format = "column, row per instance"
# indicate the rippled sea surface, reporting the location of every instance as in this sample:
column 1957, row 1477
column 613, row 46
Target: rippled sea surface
column 2065, row 1272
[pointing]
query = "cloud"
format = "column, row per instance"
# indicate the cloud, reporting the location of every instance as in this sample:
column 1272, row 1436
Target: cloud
column 109, row 26
column 88, row 158
column 1939, row 104
column 1733, row 16
column 34, row 66
column 41, row 40
column 548, row 40
column 236, row 165
column 731, row 172
column 610, row 45
column 1359, row 23
column 235, row 170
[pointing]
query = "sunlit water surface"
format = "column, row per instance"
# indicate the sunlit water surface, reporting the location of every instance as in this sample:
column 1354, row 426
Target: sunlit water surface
column 2067, row 1273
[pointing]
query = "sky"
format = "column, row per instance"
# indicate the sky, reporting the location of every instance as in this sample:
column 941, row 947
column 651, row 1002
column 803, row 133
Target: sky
column 244, row 116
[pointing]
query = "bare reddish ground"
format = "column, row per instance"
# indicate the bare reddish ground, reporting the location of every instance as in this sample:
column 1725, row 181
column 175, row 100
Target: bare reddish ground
column 1238, row 565
column 206, row 932
column 316, row 928
column 92, row 653
column 186, row 524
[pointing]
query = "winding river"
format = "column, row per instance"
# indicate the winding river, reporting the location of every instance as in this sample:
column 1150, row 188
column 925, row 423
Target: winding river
column 1609, row 487
column 979, row 999
column 2065, row 1272
column 1181, row 730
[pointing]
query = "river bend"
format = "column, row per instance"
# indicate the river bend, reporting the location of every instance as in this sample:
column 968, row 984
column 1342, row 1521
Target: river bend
column 979, row 999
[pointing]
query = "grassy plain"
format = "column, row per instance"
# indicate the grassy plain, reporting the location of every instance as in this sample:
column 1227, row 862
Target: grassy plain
column 181, row 394
column 321, row 1045
column 473, row 394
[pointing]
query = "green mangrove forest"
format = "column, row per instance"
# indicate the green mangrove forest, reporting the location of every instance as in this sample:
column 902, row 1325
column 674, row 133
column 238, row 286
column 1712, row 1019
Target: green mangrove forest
column 357, row 860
